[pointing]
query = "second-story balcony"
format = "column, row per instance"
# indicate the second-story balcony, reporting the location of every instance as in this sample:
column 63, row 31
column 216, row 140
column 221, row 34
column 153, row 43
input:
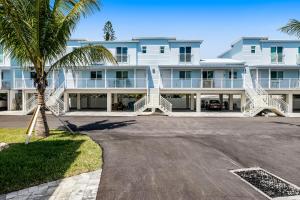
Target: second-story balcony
column 298, row 59
column 195, row 83
column 185, row 58
column 285, row 83
column 277, row 58
column 5, row 84
column 28, row 83
column 108, row 83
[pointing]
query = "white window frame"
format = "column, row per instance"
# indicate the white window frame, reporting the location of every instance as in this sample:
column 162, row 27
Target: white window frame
column 100, row 72
column 185, row 74
column 122, row 54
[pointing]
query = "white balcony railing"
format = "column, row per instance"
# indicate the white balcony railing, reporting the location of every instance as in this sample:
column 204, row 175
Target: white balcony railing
column 185, row 58
column 202, row 83
column 87, row 83
column 5, row 85
column 277, row 58
column 28, row 83
column 285, row 83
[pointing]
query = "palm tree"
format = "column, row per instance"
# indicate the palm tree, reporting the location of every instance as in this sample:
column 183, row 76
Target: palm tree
column 35, row 33
column 292, row 28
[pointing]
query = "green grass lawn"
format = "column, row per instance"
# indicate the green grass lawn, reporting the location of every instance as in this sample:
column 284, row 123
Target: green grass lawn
column 43, row 160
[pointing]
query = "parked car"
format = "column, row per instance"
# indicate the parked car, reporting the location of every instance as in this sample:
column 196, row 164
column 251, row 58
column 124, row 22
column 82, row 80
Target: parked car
column 3, row 103
column 214, row 105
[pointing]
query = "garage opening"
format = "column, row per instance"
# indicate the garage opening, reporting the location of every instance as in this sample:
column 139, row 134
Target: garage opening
column 296, row 103
column 221, row 103
column 88, row 102
column 125, row 102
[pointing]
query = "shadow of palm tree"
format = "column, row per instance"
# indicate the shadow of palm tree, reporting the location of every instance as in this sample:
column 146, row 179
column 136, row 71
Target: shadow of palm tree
column 99, row 125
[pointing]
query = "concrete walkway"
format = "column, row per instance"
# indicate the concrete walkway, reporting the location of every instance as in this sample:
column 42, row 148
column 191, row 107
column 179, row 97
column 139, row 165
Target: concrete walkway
column 81, row 187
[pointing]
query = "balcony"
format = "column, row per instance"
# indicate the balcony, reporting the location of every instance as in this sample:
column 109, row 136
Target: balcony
column 28, row 83
column 277, row 58
column 123, row 58
column 285, row 83
column 298, row 59
column 5, row 85
column 195, row 83
column 185, row 58
column 109, row 83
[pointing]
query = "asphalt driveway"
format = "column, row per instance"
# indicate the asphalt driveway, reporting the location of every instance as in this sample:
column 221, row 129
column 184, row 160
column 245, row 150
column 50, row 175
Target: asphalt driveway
column 188, row 158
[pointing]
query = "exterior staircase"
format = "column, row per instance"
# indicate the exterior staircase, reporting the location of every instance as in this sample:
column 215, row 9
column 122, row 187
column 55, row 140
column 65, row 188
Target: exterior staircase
column 153, row 100
column 260, row 101
column 52, row 99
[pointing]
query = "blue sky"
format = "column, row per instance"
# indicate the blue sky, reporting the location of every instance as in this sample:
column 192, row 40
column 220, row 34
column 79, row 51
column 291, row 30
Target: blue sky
column 217, row 22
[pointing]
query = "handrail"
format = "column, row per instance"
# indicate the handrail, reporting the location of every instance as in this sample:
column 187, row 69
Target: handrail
column 140, row 104
column 165, row 104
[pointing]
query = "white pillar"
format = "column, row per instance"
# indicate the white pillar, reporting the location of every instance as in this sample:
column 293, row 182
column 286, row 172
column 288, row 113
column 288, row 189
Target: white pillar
column 198, row 102
column 10, row 95
column 108, row 102
column 290, row 102
column 66, row 102
column 231, row 102
column 78, row 101
column 115, row 98
column 243, row 101
column 24, row 97
column 192, row 101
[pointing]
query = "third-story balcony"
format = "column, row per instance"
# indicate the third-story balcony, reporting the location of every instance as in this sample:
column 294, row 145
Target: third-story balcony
column 28, row 83
column 194, row 83
column 277, row 58
column 185, row 58
column 108, row 83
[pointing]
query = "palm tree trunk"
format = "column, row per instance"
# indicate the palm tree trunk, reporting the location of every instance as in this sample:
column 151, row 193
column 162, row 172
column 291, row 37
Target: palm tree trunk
column 41, row 127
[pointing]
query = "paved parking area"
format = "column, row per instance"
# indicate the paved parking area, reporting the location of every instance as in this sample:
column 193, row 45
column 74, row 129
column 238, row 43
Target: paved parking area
column 186, row 158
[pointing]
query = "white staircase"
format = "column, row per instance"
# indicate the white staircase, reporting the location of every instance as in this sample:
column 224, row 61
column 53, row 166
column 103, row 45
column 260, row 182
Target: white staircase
column 259, row 100
column 52, row 99
column 153, row 100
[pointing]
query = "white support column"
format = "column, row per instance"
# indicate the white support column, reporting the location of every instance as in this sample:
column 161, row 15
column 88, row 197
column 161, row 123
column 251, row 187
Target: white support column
column 269, row 78
column 243, row 101
column 78, row 101
column 108, row 102
column 221, row 98
column 66, row 102
column 24, row 98
column 171, row 77
column 192, row 101
column 115, row 98
column 231, row 102
column 290, row 102
column 198, row 102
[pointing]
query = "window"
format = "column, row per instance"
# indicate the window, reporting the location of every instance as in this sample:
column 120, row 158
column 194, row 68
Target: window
column 96, row 75
column 122, row 74
column 234, row 75
column 33, row 75
column 208, row 74
column 253, row 49
column 185, row 74
column 162, row 49
column 144, row 49
column 276, row 75
column 185, row 54
column 277, row 54
column 122, row 54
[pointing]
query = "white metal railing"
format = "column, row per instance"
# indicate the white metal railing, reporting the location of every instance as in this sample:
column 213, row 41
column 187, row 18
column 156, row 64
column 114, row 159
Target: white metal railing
column 259, row 98
column 186, row 58
column 284, row 83
column 28, row 83
column 220, row 83
column 87, row 83
column 140, row 104
column 277, row 58
column 5, row 84
column 165, row 104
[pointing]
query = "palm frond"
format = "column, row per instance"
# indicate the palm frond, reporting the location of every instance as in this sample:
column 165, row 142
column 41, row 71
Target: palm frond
column 83, row 57
column 292, row 28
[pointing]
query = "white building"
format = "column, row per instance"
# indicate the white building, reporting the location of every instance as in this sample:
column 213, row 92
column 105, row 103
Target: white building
column 168, row 75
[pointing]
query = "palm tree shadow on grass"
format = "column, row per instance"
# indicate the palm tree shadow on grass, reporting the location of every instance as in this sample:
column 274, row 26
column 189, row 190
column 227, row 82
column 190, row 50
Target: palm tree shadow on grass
column 99, row 125
column 23, row 165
